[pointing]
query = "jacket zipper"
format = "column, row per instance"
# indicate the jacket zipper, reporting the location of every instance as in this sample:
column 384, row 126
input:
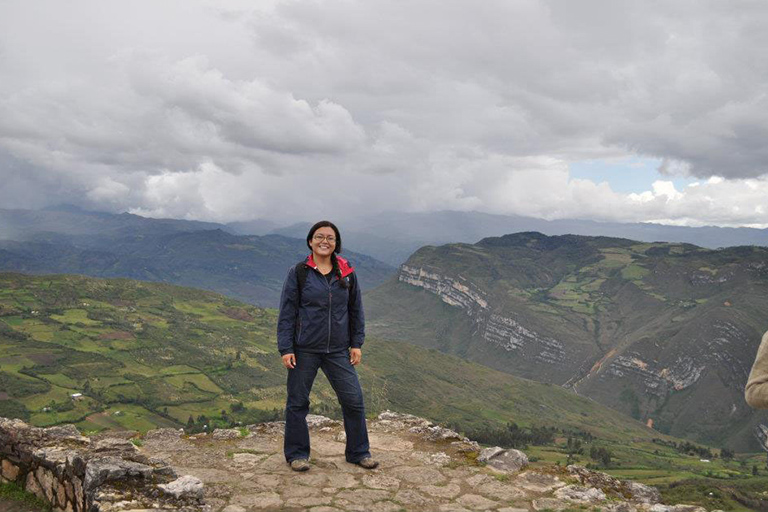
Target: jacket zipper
column 330, row 307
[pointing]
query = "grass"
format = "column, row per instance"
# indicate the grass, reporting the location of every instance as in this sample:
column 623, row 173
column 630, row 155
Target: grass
column 27, row 502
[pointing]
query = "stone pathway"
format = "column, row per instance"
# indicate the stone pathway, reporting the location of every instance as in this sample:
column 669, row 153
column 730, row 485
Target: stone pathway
column 421, row 467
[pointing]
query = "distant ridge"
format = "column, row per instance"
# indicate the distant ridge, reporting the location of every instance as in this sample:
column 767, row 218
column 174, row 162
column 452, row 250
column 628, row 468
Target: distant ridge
column 392, row 237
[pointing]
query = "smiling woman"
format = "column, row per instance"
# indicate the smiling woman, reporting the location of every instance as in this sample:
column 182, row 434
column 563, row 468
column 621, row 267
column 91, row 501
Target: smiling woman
column 321, row 325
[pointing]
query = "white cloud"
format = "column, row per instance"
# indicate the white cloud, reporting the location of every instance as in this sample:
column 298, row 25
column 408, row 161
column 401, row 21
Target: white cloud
column 235, row 110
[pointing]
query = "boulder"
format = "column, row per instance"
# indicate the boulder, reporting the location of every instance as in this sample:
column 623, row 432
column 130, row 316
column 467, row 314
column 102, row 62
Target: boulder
column 184, row 487
column 106, row 469
column 315, row 421
column 503, row 460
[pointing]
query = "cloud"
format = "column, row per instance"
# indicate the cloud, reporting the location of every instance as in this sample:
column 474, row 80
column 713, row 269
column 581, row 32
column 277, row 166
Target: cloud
column 229, row 111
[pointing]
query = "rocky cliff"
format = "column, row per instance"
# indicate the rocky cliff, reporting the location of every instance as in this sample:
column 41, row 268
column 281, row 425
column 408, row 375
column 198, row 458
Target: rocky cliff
column 664, row 332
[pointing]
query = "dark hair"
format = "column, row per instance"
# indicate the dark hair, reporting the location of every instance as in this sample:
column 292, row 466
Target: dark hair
column 336, row 250
column 325, row 224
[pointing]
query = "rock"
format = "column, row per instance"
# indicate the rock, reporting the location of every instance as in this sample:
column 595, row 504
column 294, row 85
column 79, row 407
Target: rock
column 161, row 434
column 105, row 469
column 31, row 485
column 449, row 491
column 467, row 446
column 643, row 493
column 10, row 471
column 408, row 419
column 376, row 481
column 500, row 491
column 225, row 433
column 316, row 421
column 437, row 433
column 475, row 502
column 418, row 475
column 114, row 434
column 432, row 459
column 411, row 497
column 187, row 486
column 46, row 481
column 505, row 460
column 549, row 504
column 614, row 487
column 620, row 507
column 65, row 432
column 487, row 453
column 580, row 494
column 115, row 445
column 538, row 482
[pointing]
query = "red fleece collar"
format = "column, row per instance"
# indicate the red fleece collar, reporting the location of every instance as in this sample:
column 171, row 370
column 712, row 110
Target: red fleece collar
column 344, row 265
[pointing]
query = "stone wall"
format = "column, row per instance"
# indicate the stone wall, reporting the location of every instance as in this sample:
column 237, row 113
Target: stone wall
column 78, row 474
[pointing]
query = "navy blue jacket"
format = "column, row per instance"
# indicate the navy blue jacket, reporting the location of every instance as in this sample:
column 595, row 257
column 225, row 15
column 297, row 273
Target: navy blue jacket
column 330, row 317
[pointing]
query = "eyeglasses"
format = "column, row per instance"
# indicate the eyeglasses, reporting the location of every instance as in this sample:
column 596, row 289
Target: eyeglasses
column 319, row 238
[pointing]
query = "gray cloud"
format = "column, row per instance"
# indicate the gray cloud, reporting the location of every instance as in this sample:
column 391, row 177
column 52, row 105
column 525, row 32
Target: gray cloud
column 226, row 111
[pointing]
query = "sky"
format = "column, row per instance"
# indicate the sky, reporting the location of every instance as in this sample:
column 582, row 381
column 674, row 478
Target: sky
column 625, row 111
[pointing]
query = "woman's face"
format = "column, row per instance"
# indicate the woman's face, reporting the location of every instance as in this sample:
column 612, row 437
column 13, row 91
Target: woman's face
column 321, row 244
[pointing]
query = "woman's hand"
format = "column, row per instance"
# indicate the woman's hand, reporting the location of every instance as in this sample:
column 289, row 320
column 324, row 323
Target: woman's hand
column 289, row 361
column 355, row 354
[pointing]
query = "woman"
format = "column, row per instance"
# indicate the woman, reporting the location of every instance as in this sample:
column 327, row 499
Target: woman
column 321, row 325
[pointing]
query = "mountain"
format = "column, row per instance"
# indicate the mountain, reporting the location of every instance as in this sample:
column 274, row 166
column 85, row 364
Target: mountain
column 664, row 332
column 393, row 236
column 249, row 268
column 73, row 221
column 146, row 355
column 160, row 353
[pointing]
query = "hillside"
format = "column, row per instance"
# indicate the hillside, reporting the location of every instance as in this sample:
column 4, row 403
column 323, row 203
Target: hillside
column 159, row 353
column 664, row 332
column 147, row 355
column 248, row 268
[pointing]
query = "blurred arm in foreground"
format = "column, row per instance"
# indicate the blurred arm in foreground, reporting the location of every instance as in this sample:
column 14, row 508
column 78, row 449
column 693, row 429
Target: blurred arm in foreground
column 756, row 391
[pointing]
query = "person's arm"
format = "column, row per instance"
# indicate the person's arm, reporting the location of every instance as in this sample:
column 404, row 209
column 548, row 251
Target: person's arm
column 756, row 392
column 356, row 315
column 286, row 318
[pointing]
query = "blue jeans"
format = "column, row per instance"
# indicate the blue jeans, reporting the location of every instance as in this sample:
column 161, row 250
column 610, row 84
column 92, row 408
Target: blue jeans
column 343, row 378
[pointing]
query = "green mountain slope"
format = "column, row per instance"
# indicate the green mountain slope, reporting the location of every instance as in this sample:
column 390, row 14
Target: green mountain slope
column 249, row 268
column 146, row 355
column 664, row 332
column 160, row 353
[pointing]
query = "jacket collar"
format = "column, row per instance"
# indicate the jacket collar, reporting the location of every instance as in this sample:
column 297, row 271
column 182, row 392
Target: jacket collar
column 344, row 265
